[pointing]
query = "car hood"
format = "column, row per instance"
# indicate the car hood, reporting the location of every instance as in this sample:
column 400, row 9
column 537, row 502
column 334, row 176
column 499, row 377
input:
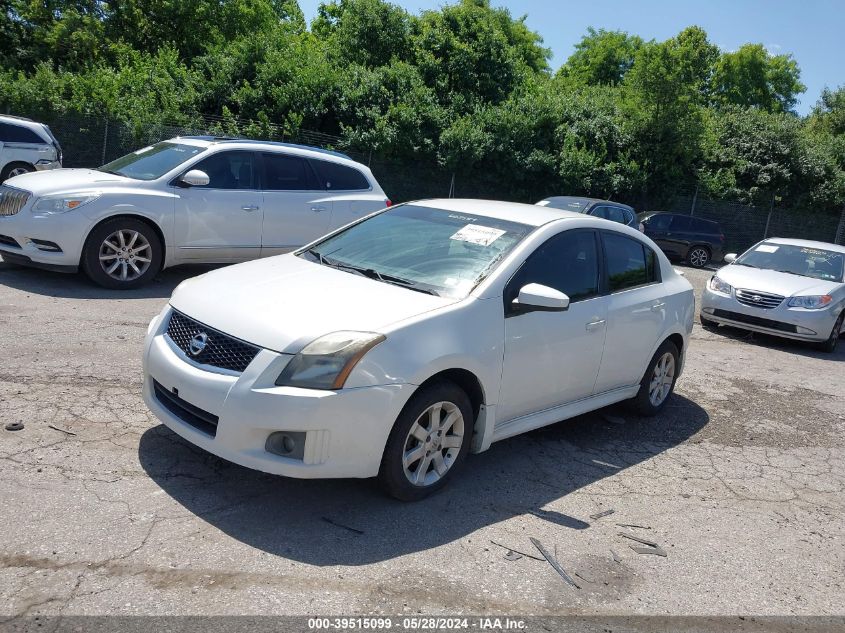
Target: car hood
column 774, row 282
column 283, row 303
column 55, row 181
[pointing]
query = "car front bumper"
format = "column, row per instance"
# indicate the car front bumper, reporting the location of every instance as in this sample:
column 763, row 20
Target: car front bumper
column 344, row 431
column 54, row 242
column 793, row 323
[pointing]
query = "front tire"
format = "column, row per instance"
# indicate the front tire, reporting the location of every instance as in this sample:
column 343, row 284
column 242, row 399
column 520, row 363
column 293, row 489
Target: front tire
column 698, row 257
column 122, row 253
column 832, row 341
column 428, row 443
column 658, row 383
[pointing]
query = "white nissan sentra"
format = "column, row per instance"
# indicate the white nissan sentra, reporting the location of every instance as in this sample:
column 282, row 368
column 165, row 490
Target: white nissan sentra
column 397, row 344
column 789, row 288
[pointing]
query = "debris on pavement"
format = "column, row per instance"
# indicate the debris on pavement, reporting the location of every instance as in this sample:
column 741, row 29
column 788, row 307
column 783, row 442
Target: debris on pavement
column 632, row 525
column 613, row 419
column 516, row 551
column 58, row 428
column 656, row 550
column 341, row 525
column 615, row 556
column 14, row 426
column 633, row 537
column 585, row 579
column 553, row 562
column 599, row 515
column 512, row 555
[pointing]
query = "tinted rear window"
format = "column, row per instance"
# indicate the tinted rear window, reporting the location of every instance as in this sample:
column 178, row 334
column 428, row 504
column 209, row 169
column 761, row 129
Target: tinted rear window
column 10, row 133
column 336, row 177
column 288, row 173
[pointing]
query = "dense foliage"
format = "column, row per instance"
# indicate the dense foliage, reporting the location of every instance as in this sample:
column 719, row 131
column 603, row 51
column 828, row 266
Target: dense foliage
column 466, row 88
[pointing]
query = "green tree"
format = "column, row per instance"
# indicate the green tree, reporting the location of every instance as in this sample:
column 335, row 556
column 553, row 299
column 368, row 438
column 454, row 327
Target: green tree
column 601, row 57
column 751, row 77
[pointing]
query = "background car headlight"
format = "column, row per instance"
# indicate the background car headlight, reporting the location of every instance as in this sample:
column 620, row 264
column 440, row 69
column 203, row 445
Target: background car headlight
column 717, row 285
column 326, row 362
column 813, row 302
column 50, row 205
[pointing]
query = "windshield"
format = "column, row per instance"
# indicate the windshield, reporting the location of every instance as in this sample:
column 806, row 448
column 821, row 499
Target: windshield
column 152, row 162
column 817, row 263
column 429, row 250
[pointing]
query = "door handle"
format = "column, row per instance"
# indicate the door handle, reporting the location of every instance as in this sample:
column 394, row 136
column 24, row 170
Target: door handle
column 318, row 208
column 595, row 325
column 251, row 207
column 657, row 307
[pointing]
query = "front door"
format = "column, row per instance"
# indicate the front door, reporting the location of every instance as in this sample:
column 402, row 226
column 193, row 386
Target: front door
column 552, row 358
column 296, row 209
column 221, row 221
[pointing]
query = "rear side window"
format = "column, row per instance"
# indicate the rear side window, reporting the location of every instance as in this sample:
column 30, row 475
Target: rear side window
column 630, row 263
column 10, row 133
column 703, row 226
column 614, row 214
column 568, row 262
column 336, row 177
column 682, row 223
column 229, row 170
column 658, row 222
column 283, row 172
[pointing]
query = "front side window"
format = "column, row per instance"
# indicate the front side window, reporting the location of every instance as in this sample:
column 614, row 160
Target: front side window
column 283, row 172
column 628, row 263
column 446, row 253
column 568, row 262
column 681, row 223
column 658, row 222
column 818, row 263
column 229, row 170
column 10, row 133
column 337, row 177
column 152, row 162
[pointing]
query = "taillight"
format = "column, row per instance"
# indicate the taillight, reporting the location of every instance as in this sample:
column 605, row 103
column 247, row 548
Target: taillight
column 387, row 202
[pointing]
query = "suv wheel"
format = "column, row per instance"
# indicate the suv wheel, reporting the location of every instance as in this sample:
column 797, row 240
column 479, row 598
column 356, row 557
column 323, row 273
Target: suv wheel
column 15, row 169
column 658, row 382
column 122, row 253
column 428, row 443
column 698, row 256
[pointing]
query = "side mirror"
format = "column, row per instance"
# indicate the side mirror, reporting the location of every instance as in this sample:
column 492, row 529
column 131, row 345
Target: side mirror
column 539, row 297
column 730, row 258
column 195, row 178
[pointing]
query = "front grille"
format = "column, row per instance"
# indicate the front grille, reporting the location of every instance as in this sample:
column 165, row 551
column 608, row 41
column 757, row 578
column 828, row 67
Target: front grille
column 754, row 320
column 189, row 414
column 758, row 299
column 5, row 240
column 12, row 200
column 221, row 350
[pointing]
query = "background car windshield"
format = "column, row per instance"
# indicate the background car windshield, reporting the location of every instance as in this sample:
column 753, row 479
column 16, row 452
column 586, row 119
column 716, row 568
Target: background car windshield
column 152, row 162
column 798, row 260
column 446, row 252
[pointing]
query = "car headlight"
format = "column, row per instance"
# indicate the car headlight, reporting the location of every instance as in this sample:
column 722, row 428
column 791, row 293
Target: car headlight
column 812, row 302
column 326, row 362
column 717, row 285
column 51, row 205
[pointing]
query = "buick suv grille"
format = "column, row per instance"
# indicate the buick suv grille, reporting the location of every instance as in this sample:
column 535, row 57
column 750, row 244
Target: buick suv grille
column 758, row 299
column 12, row 200
column 219, row 349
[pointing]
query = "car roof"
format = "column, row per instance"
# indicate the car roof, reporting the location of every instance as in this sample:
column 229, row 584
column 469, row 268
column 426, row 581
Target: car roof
column 19, row 120
column 836, row 248
column 208, row 141
column 587, row 202
column 529, row 214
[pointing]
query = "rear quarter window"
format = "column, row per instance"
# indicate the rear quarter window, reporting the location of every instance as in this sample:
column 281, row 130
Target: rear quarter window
column 10, row 133
column 337, row 177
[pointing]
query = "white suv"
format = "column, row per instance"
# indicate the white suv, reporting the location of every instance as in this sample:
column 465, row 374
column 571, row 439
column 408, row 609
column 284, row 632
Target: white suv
column 189, row 199
column 26, row 146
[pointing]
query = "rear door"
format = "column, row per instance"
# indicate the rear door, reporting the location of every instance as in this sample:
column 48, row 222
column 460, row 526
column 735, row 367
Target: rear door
column 349, row 189
column 657, row 227
column 296, row 208
column 636, row 310
column 221, row 221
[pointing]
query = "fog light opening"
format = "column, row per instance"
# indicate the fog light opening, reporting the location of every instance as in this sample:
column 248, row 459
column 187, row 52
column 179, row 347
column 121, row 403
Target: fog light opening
column 286, row 444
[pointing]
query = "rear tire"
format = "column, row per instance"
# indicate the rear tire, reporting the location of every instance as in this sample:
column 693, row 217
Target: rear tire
column 122, row 253
column 832, row 341
column 428, row 443
column 698, row 256
column 15, row 169
column 658, row 382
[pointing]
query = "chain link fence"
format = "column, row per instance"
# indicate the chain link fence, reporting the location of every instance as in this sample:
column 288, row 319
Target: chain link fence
column 90, row 141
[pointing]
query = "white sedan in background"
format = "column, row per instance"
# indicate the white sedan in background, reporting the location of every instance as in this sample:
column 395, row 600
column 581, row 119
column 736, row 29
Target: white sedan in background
column 789, row 288
column 399, row 343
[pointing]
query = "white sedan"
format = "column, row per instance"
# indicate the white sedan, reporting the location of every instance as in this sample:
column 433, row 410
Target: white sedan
column 789, row 288
column 397, row 344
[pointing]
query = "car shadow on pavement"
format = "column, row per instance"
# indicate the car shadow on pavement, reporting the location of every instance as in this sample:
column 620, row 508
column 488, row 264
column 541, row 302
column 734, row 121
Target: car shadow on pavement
column 790, row 346
column 78, row 286
column 351, row 522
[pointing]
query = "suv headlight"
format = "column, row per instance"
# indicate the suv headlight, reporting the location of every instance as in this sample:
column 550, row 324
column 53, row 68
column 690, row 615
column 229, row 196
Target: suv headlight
column 812, row 302
column 717, row 285
column 51, row 205
column 326, row 362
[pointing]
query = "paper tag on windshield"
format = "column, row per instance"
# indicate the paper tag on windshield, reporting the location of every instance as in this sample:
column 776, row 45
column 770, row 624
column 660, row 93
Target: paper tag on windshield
column 481, row 235
column 766, row 248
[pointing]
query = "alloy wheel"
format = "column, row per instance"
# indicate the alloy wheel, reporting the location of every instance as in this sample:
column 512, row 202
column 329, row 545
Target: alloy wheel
column 18, row 171
column 433, row 444
column 661, row 379
column 125, row 255
column 698, row 257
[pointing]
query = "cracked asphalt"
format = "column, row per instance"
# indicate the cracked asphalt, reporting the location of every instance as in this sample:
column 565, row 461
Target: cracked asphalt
column 740, row 481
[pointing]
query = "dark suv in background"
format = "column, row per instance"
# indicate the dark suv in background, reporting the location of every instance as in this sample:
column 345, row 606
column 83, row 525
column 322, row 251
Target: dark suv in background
column 697, row 241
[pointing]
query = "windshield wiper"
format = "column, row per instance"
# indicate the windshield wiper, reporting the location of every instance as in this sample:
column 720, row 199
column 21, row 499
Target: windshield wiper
column 113, row 173
column 374, row 274
column 744, row 264
column 315, row 253
column 789, row 272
